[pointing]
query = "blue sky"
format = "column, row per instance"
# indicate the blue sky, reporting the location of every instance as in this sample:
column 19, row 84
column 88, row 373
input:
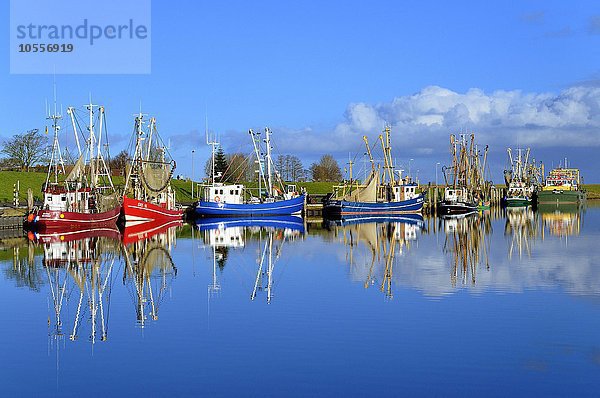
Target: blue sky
column 323, row 74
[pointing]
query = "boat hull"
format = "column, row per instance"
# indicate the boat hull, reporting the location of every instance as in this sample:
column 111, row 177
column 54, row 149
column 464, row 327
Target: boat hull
column 221, row 209
column 341, row 208
column 56, row 220
column 559, row 197
column 517, row 202
column 139, row 211
column 453, row 208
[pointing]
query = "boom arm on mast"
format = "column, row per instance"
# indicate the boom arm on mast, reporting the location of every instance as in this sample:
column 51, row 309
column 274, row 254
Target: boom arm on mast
column 369, row 152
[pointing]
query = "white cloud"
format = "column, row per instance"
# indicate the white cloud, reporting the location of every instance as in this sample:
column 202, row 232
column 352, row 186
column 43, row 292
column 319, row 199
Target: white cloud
column 425, row 119
column 422, row 122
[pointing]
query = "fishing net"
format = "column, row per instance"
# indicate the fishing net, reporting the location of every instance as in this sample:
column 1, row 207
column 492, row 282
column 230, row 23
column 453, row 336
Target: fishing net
column 109, row 202
column 156, row 175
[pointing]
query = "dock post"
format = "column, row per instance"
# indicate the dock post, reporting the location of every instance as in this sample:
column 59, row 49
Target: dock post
column 16, row 194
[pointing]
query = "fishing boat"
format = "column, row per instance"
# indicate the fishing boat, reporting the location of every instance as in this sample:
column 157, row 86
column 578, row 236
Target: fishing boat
column 234, row 200
column 521, row 180
column 387, row 195
column 148, row 195
column 86, row 198
column 562, row 187
column 466, row 189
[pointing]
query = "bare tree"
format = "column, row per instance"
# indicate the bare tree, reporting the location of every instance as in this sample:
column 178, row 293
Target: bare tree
column 290, row 168
column 120, row 162
column 326, row 170
column 239, row 168
column 26, row 150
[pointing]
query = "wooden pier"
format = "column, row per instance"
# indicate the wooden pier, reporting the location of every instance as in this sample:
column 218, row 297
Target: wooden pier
column 11, row 227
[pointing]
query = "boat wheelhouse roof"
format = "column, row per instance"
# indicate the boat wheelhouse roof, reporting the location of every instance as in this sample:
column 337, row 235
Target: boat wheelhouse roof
column 60, row 189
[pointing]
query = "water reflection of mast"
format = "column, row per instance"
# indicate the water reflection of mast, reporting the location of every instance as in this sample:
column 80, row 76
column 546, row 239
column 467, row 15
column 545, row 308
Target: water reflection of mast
column 385, row 239
column 267, row 253
column 85, row 257
column 92, row 283
column 143, row 258
column 521, row 224
column 467, row 240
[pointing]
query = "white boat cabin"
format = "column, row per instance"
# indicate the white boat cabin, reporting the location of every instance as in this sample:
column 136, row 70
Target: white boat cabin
column 404, row 192
column 519, row 189
column 60, row 199
column 455, row 195
column 221, row 193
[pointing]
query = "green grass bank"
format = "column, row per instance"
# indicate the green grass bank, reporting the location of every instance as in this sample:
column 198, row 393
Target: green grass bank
column 183, row 188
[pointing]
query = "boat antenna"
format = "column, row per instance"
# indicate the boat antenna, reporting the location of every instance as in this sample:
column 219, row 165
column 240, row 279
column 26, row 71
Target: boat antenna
column 213, row 144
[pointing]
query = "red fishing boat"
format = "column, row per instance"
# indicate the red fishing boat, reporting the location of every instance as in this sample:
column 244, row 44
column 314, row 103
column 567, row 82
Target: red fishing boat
column 148, row 193
column 86, row 198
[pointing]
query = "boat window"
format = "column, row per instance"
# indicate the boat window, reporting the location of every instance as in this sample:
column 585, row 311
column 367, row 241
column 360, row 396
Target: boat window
column 63, row 198
column 237, row 192
column 231, row 191
column 49, row 198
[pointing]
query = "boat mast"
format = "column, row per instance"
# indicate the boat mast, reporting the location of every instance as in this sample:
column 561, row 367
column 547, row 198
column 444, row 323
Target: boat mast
column 71, row 112
column 387, row 154
column 213, row 144
column 259, row 160
column 268, row 160
column 388, row 140
column 369, row 152
column 137, row 153
column 454, row 161
column 56, row 157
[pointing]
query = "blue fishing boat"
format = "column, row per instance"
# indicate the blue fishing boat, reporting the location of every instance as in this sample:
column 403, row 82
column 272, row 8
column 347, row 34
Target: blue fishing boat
column 236, row 207
column 235, row 200
column 390, row 195
column 345, row 208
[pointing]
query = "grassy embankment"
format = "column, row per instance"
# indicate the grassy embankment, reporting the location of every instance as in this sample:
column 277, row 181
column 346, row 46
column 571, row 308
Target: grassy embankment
column 183, row 188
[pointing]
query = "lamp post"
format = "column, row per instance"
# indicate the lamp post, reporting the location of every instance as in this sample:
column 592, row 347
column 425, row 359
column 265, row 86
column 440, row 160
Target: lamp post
column 436, row 173
column 193, row 174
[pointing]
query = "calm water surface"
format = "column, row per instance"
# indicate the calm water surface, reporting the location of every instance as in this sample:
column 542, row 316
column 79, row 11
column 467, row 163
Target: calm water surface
column 498, row 304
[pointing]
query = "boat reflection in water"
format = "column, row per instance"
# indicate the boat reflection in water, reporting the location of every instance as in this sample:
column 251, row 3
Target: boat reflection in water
column 467, row 243
column 375, row 245
column 149, row 267
column 82, row 267
column 80, row 262
column 561, row 222
column 522, row 225
column 270, row 233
